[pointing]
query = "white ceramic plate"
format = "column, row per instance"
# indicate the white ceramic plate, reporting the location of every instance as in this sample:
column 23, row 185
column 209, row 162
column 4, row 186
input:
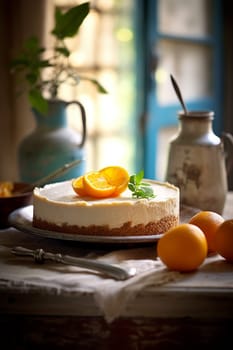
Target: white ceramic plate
column 21, row 219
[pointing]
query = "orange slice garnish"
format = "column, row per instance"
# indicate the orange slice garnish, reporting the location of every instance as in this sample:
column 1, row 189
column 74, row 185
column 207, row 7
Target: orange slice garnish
column 116, row 176
column 96, row 185
column 78, row 186
column 108, row 182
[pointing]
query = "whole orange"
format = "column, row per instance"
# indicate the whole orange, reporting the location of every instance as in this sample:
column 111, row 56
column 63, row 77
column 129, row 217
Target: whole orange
column 208, row 222
column 224, row 240
column 183, row 248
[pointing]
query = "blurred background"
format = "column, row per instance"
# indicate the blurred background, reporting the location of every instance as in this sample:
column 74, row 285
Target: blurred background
column 131, row 47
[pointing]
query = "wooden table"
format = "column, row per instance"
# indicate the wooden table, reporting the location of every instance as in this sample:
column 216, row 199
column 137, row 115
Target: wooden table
column 183, row 314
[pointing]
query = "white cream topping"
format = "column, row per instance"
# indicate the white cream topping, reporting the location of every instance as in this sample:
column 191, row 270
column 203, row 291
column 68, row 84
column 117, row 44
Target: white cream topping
column 58, row 203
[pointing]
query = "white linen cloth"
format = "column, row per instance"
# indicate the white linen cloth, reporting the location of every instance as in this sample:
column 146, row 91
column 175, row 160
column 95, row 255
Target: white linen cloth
column 110, row 295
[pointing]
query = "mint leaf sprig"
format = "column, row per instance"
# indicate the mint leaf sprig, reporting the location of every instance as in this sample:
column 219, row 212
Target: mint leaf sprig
column 139, row 188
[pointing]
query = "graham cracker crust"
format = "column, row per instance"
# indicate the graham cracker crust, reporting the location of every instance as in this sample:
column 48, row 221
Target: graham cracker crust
column 152, row 228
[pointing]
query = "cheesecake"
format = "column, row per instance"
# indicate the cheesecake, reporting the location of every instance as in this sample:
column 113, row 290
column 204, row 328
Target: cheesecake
column 56, row 207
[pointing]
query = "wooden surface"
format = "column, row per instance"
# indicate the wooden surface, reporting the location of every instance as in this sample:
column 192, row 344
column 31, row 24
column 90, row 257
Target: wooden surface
column 178, row 316
column 23, row 332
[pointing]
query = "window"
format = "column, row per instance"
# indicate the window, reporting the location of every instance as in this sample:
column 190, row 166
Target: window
column 183, row 39
column 104, row 49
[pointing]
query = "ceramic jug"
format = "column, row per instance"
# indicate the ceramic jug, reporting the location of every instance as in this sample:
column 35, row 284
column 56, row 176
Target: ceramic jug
column 52, row 144
column 198, row 161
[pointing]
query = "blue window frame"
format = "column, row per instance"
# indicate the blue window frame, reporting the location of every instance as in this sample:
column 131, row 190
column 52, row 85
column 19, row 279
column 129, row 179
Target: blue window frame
column 152, row 115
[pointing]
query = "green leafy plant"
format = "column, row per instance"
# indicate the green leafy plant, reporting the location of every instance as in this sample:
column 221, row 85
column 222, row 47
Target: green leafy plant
column 31, row 63
column 139, row 188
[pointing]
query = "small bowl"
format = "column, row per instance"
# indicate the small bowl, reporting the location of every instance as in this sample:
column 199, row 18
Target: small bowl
column 15, row 201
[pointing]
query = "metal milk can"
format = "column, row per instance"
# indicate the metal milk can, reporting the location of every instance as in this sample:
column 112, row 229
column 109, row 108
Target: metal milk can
column 197, row 162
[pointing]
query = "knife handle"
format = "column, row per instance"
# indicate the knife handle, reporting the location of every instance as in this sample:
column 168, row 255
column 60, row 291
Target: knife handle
column 37, row 254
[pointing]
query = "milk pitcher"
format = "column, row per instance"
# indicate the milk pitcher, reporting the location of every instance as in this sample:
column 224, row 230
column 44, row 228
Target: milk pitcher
column 52, row 144
column 198, row 162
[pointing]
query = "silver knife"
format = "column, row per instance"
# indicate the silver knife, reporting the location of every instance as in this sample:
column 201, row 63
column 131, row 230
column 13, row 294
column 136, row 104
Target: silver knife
column 111, row 270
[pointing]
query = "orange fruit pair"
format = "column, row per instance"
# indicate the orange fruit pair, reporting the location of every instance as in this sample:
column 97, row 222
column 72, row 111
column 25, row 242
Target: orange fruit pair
column 208, row 222
column 183, row 248
column 107, row 182
column 218, row 232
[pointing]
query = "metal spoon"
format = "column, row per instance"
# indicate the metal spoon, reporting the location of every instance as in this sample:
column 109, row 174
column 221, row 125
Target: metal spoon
column 179, row 95
column 49, row 177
